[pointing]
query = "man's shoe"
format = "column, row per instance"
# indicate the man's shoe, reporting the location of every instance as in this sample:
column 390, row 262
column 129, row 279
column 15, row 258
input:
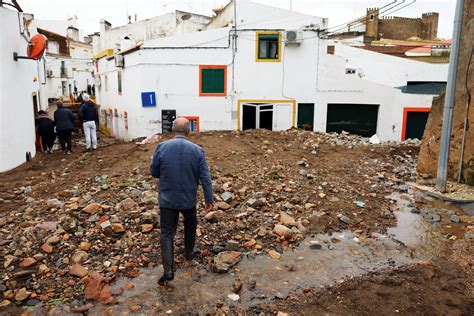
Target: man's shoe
column 167, row 257
column 190, row 255
column 65, row 152
column 69, row 152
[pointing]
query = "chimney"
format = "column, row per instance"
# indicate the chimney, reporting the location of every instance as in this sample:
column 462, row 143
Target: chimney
column 73, row 33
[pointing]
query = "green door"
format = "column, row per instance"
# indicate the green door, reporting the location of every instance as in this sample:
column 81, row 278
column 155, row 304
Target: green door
column 306, row 116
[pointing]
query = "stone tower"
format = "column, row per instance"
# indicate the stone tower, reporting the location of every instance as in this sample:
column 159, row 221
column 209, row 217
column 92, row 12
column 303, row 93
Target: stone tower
column 372, row 24
column 429, row 25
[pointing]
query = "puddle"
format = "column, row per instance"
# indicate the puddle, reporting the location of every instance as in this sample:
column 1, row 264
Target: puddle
column 341, row 255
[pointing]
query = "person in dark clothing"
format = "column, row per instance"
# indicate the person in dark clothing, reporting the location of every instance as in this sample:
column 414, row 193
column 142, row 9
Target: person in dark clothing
column 180, row 165
column 64, row 120
column 88, row 115
column 46, row 131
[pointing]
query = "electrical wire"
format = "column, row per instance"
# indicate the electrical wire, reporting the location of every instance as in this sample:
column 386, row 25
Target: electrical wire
column 386, row 14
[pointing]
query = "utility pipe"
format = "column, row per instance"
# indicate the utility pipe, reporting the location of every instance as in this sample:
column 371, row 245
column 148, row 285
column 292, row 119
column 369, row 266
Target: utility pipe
column 444, row 147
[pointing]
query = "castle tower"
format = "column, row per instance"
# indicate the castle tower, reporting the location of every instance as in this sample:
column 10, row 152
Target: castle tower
column 429, row 25
column 372, row 24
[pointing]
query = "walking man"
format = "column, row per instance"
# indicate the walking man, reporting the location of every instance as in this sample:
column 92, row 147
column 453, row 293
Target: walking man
column 180, row 165
column 88, row 115
column 46, row 131
column 64, row 120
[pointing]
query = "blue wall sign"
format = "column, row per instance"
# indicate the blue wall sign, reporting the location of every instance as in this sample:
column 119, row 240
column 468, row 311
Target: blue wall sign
column 148, row 99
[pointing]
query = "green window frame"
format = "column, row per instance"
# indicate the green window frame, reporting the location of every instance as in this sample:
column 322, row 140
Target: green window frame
column 212, row 81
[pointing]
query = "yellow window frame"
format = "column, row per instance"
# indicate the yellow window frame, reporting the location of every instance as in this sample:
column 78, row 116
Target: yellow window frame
column 259, row 60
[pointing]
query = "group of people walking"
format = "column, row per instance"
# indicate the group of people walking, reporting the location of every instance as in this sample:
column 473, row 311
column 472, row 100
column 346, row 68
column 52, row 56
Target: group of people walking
column 63, row 125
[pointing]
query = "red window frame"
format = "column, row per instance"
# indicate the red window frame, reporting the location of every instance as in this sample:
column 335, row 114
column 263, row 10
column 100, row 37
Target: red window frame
column 405, row 117
column 194, row 118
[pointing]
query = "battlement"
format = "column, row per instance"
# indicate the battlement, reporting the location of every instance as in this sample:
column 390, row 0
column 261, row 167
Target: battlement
column 372, row 10
column 430, row 14
column 400, row 18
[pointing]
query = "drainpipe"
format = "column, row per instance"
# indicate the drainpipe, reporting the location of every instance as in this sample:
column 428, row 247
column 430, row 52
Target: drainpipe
column 444, row 148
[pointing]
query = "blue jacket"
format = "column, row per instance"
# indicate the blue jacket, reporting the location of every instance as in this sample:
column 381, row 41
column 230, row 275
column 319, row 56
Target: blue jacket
column 180, row 165
column 88, row 112
column 64, row 119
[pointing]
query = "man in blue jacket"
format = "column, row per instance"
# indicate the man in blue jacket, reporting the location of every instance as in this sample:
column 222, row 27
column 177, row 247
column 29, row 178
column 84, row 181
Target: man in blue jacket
column 88, row 115
column 180, row 165
column 64, row 120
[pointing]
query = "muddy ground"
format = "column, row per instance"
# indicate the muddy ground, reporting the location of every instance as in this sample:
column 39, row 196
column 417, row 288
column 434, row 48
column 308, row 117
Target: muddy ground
column 310, row 183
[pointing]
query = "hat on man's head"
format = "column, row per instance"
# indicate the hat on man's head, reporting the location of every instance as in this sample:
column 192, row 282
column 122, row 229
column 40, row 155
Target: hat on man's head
column 85, row 97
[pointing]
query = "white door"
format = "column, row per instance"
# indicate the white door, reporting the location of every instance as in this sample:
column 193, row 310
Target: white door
column 282, row 117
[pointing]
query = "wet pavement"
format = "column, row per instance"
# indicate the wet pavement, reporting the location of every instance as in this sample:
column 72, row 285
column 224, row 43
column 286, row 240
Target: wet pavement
column 318, row 261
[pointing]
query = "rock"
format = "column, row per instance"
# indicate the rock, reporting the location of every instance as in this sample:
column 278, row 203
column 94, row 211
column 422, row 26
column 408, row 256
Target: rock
column 82, row 309
column 79, row 256
column 78, row 271
column 252, row 202
column 43, row 269
column 455, row 219
column 128, row 204
column 96, row 288
column 214, row 216
column 4, row 303
column 282, row 314
column 234, row 297
column 249, row 243
column 232, row 245
column 92, row 208
column 282, row 231
column 117, row 292
column 309, row 206
column 8, row 260
column 85, row 246
column 27, row 262
column 22, row 295
column 118, row 228
column 148, row 218
column 47, row 248
column 53, row 240
column 227, row 197
column 225, row 260
column 286, row 219
column 262, row 231
column 374, row 139
column 54, row 203
column 222, row 206
column 48, row 226
column 69, row 224
column 274, row 254
column 106, row 224
column 344, row 219
column 146, row 228
column 150, row 197
column 237, row 286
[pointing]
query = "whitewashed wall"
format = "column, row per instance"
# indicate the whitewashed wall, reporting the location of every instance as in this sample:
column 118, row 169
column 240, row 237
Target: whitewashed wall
column 17, row 127
column 306, row 74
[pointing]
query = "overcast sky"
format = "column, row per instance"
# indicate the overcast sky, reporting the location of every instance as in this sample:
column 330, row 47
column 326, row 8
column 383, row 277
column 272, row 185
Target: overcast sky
column 89, row 12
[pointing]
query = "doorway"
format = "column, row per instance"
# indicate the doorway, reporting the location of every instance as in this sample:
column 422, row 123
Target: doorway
column 358, row 119
column 270, row 116
column 414, row 122
column 306, row 116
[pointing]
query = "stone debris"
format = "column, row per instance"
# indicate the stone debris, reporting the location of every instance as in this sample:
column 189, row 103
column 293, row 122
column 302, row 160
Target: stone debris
column 226, row 260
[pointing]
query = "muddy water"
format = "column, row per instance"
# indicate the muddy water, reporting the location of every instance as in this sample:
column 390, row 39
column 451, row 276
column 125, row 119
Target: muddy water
column 318, row 261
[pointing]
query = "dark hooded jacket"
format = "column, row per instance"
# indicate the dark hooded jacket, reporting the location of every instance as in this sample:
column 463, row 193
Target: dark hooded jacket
column 64, row 119
column 88, row 112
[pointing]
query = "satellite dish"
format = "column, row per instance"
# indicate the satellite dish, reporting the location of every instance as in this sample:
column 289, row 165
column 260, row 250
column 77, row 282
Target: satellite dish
column 36, row 46
column 186, row 17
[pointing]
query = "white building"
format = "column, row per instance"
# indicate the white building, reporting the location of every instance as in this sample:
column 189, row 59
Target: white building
column 274, row 70
column 19, row 91
column 68, row 60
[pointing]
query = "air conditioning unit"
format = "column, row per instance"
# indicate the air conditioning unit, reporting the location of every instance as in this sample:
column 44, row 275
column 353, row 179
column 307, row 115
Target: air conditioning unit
column 118, row 61
column 49, row 73
column 294, row 37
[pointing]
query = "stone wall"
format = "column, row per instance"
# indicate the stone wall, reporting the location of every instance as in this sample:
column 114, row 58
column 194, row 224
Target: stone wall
column 399, row 28
column 428, row 160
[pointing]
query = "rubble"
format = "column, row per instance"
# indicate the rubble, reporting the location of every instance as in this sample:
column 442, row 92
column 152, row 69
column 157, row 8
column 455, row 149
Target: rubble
column 103, row 218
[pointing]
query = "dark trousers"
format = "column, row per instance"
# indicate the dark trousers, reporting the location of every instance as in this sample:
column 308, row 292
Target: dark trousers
column 65, row 139
column 169, row 223
column 47, row 140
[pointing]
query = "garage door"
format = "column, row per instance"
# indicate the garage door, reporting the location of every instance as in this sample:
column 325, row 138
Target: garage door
column 358, row 119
